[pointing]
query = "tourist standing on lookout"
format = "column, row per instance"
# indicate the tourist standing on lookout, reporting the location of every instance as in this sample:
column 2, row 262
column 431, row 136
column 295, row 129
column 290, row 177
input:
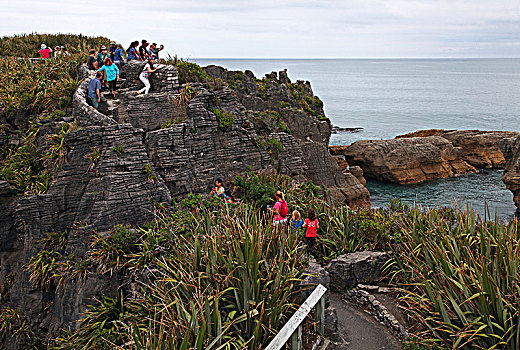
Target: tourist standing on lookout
column 112, row 73
column 145, row 74
column 154, row 50
column 94, row 90
column 118, row 56
column 112, row 49
column 44, row 52
column 143, row 50
column 101, row 57
column 280, row 209
column 131, row 53
column 91, row 60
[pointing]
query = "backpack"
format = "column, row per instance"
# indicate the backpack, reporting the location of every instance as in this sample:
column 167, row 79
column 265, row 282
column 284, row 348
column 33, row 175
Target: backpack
column 284, row 209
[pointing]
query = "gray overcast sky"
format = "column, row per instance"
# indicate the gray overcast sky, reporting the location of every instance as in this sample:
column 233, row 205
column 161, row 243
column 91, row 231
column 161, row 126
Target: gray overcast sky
column 285, row 28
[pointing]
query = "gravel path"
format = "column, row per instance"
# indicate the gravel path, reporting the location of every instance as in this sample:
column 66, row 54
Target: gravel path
column 359, row 330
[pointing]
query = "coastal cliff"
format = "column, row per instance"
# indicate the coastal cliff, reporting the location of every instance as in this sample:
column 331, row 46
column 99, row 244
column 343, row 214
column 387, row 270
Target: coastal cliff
column 426, row 154
column 139, row 152
column 511, row 178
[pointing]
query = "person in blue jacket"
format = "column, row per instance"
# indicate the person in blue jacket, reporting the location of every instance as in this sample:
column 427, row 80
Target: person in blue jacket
column 119, row 60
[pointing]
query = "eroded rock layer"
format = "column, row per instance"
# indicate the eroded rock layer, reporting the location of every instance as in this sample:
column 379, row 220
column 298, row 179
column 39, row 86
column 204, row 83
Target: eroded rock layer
column 425, row 154
column 406, row 160
column 511, row 149
column 478, row 148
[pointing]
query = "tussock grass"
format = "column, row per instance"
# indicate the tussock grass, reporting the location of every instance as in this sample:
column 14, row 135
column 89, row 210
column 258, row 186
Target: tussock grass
column 27, row 45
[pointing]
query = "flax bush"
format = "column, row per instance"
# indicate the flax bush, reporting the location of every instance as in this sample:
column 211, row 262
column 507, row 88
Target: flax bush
column 461, row 279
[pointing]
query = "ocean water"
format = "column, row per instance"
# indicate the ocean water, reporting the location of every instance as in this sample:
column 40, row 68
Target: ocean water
column 388, row 97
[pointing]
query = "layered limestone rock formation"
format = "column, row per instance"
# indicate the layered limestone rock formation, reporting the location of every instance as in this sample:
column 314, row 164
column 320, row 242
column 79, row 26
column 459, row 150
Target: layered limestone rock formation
column 142, row 150
column 407, row 161
column 426, row 154
column 478, row 148
column 511, row 149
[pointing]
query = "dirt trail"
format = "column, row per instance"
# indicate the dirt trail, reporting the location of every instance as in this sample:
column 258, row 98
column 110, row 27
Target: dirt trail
column 359, row 330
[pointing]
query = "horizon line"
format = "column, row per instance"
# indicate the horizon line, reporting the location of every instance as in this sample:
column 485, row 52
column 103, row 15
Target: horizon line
column 353, row 58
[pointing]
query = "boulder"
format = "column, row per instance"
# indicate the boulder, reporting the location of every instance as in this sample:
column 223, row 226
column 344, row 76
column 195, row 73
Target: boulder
column 312, row 276
column 361, row 267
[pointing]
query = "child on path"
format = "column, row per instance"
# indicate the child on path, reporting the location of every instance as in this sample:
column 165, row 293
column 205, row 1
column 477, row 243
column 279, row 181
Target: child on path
column 148, row 69
column 296, row 220
column 112, row 73
column 218, row 190
column 312, row 224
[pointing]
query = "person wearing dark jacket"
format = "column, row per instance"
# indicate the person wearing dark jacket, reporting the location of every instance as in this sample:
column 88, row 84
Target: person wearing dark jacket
column 143, row 50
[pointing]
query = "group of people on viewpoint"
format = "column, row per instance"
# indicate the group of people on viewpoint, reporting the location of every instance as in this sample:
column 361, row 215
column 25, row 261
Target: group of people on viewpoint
column 108, row 64
column 280, row 212
column 45, row 52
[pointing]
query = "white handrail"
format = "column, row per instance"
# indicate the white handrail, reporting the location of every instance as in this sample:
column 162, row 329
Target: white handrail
column 293, row 326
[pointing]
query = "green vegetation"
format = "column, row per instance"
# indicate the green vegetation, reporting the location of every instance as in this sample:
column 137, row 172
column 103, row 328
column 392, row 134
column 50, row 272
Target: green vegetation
column 268, row 122
column 225, row 119
column 224, row 281
column 212, row 275
column 189, row 72
column 461, row 279
column 27, row 45
column 270, row 144
column 31, row 93
column 13, row 326
column 171, row 122
column 235, row 80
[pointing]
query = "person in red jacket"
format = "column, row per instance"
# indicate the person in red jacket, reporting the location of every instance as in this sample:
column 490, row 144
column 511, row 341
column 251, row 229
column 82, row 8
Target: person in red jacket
column 44, row 52
column 312, row 225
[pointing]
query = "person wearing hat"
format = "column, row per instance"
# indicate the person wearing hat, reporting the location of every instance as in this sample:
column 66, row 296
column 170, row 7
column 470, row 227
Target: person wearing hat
column 113, row 47
column 44, row 51
column 57, row 51
column 143, row 51
column 101, row 57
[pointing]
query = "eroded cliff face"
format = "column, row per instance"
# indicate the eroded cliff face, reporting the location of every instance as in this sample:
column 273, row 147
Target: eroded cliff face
column 147, row 150
column 426, row 154
column 407, row 161
column 479, row 148
column 511, row 178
